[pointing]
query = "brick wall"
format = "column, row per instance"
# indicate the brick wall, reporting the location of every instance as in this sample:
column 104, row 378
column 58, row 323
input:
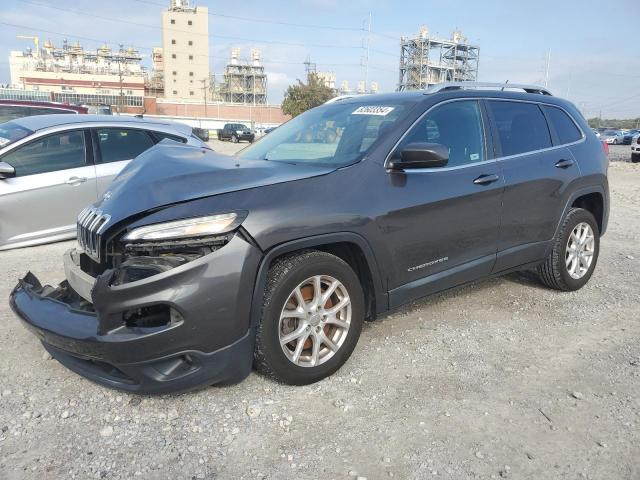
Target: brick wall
column 246, row 113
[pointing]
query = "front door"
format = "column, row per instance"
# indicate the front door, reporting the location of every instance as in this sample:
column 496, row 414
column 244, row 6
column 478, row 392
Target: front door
column 54, row 181
column 442, row 223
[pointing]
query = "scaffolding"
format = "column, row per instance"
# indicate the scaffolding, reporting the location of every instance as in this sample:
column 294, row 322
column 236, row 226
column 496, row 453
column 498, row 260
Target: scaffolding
column 426, row 60
column 244, row 82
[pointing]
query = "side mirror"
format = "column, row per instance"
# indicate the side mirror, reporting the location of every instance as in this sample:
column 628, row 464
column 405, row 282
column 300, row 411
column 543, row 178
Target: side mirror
column 420, row 155
column 6, row 171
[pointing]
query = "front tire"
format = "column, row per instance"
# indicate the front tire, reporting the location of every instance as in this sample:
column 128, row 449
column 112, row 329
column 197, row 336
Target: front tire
column 635, row 158
column 312, row 316
column 575, row 251
column 234, row 138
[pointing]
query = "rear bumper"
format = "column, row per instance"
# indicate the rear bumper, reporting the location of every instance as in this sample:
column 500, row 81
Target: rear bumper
column 207, row 340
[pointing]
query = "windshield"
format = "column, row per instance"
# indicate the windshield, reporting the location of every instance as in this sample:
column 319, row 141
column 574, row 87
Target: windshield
column 611, row 132
column 12, row 132
column 337, row 134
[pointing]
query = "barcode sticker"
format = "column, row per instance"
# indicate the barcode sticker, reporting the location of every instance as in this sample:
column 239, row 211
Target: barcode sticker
column 373, row 110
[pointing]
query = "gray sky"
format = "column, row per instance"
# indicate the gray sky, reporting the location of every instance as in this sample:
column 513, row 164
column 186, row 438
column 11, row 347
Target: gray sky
column 594, row 59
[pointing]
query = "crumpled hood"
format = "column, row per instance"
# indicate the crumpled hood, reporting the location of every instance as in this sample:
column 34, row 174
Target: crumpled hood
column 169, row 173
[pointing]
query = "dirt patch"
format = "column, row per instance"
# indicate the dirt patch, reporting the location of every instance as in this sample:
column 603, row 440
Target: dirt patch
column 503, row 378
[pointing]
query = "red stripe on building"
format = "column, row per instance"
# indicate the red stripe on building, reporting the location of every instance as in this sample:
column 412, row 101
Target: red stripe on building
column 82, row 83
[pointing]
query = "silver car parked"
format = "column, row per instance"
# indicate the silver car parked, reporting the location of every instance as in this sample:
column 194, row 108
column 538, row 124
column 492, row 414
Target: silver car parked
column 53, row 166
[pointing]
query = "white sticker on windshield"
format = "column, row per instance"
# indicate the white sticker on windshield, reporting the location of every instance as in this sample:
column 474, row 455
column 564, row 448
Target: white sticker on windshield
column 4, row 141
column 474, row 156
column 373, row 110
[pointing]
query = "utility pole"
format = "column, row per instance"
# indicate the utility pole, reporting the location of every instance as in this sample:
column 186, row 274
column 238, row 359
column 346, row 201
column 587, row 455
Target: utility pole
column 546, row 69
column 120, row 103
column 366, row 60
column 310, row 67
column 204, row 94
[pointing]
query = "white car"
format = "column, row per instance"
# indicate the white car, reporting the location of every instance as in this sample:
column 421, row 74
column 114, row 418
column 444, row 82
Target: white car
column 53, row 166
column 635, row 148
column 612, row 136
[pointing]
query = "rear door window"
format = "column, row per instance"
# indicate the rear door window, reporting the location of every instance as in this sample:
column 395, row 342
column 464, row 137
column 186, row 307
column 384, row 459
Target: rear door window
column 521, row 126
column 60, row 151
column 565, row 128
column 117, row 144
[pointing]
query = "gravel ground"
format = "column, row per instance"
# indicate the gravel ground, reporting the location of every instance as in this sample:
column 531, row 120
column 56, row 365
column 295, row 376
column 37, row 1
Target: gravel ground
column 502, row 378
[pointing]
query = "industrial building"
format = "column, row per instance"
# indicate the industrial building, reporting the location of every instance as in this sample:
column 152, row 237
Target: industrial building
column 75, row 75
column 329, row 79
column 185, row 51
column 243, row 81
column 426, row 60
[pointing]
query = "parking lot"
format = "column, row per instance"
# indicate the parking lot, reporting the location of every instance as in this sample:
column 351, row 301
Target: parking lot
column 500, row 379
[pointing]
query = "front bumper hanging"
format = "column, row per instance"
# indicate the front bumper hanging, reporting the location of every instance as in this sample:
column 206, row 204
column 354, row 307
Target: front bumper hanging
column 85, row 323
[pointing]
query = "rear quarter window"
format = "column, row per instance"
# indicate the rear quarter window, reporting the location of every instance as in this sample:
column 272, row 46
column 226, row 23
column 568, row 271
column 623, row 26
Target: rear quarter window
column 564, row 126
column 159, row 136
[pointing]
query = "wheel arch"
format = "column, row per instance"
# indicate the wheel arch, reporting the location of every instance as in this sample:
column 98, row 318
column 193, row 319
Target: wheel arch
column 593, row 199
column 350, row 247
column 594, row 203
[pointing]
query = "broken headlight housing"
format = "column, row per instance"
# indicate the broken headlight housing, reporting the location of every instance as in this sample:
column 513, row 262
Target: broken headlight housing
column 152, row 249
column 185, row 229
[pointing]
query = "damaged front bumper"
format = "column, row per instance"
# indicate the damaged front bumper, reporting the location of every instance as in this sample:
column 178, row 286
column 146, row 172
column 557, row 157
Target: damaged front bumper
column 173, row 331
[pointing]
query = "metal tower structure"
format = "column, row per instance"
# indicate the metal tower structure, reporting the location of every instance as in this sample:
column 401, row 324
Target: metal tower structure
column 244, row 82
column 426, row 60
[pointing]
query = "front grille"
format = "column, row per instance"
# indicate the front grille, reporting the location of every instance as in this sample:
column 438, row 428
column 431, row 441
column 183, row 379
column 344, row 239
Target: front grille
column 91, row 224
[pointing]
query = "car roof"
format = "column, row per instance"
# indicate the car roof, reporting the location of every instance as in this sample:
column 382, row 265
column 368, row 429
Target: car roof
column 40, row 122
column 426, row 97
column 416, row 95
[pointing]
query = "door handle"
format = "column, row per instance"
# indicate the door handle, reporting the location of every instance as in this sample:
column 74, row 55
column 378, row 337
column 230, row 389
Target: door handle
column 486, row 179
column 564, row 163
column 75, row 180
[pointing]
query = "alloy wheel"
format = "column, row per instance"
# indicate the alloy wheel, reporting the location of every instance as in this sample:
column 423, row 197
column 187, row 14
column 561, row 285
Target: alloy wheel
column 580, row 250
column 315, row 321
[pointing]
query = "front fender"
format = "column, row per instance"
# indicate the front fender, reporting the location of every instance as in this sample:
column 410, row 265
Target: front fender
column 316, row 241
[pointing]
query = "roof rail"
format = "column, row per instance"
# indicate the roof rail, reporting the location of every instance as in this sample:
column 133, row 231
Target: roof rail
column 487, row 85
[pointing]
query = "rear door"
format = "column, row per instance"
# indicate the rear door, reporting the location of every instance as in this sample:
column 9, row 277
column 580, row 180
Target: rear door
column 115, row 148
column 55, row 179
column 537, row 168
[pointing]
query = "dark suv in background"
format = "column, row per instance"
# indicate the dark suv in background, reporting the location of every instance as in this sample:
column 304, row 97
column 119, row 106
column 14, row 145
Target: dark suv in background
column 196, row 266
column 236, row 132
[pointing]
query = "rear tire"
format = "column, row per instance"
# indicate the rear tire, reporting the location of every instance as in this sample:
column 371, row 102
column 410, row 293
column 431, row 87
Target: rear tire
column 302, row 361
column 234, row 138
column 567, row 252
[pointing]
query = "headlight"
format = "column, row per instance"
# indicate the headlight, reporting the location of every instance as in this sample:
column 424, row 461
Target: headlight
column 189, row 228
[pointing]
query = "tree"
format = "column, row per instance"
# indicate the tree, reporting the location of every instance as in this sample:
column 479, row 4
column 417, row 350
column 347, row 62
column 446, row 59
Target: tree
column 301, row 97
column 614, row 123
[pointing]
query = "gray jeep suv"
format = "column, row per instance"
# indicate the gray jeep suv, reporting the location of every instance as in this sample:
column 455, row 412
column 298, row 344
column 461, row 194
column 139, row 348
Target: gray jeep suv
column 196, row 266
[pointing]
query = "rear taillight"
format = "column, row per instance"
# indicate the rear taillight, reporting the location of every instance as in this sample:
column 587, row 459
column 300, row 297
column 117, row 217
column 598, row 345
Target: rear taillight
column 605, row 147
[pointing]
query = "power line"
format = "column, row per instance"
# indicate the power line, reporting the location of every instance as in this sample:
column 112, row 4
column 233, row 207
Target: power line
column 261, row 20
column 229, row 37
column 80, row 37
